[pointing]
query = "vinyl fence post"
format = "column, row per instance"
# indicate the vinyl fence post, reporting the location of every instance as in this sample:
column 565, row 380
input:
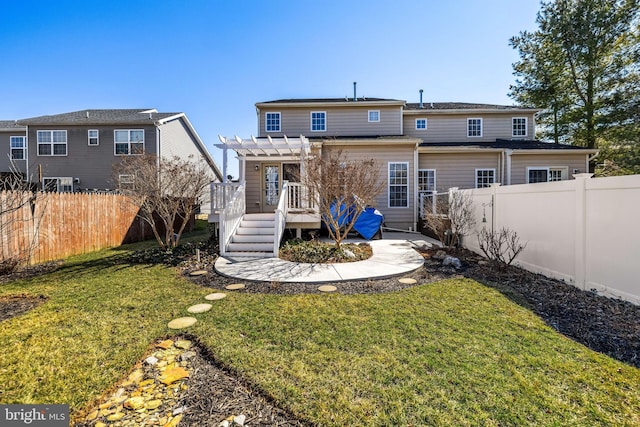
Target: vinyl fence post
column 581, row 230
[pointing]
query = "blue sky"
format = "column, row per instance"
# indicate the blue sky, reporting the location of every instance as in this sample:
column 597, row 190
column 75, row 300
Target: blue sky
column 215, row 59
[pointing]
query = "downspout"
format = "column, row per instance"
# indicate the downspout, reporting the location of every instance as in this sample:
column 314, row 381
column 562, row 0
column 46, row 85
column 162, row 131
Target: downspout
column 415, row 187
column 158, row 155
column 508, row 153
column 26, row 164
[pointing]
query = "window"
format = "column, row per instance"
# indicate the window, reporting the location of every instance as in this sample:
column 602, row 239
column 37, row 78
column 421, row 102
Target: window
column 519, row 126
column 52, row 143
column 17, row 147
column 398, row 185
column 474, row 127
column 426, row 180
column 318, row 121
column 128, row 141
column 92, row 136
column 272, row 122
column 485, row 177
column 57, row 185
column 546, row 174
column 374, row 116
column 127, row 180
column 421, row 123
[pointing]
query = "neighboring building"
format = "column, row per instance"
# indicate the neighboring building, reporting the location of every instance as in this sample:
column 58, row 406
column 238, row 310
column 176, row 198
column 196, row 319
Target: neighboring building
column 13, row 140
column 77, row 151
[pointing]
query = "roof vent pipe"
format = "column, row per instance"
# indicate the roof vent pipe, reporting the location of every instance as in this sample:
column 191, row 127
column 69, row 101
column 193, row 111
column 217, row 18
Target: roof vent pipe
column 87, row 114
column 421, row 98
column 355, row 98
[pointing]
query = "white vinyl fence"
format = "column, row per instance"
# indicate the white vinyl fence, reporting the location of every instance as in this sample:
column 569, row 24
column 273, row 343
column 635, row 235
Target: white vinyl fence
column 583, row 231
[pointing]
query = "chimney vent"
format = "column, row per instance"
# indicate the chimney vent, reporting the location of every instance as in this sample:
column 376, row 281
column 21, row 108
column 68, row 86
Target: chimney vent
column 355, row 98
column 87, row 114
column 421, row 98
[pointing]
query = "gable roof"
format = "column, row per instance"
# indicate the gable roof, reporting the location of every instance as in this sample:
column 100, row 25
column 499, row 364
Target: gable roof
column 10, row 125
column 138, row 116
column 457, row 107
column 507, row 144
column 300, row 102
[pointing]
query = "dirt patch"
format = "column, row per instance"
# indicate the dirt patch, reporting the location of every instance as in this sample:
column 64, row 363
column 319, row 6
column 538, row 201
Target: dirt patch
column 15, row 305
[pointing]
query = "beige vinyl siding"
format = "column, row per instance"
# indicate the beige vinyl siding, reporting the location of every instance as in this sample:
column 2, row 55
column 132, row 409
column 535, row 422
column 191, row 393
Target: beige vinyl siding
column 459, row 169
column 352, row 121
column 253, row 187
column 93, row 165
column 393, row 217
column 5, row 151
column 453, row 127
column 520, row 163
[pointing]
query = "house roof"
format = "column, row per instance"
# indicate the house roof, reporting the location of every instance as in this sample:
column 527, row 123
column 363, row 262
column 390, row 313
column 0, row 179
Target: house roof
column 331, row 101
column 136, row 116
column 508, row 144
column 444, row 107
column 10, row 125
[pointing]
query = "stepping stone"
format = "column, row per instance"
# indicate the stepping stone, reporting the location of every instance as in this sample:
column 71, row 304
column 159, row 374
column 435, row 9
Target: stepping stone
column 216, row 296
column 199, row 308
column 198, row 273
column 327, row 288
column 182, row 322
column 408, row 281
column 235, row 286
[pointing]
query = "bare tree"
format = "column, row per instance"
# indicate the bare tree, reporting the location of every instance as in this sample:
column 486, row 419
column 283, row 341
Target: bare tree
column 452, row 219
column 343, row 189
column 167, row 191
column 502, row 247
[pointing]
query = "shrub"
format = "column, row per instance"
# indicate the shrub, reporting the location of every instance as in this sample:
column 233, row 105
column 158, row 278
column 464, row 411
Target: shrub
column 501, row 247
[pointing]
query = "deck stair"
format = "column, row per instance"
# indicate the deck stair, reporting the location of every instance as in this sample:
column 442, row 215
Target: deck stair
column 254, row 236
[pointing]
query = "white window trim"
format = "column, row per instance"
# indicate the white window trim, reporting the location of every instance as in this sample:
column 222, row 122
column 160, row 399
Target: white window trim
column 425, row 123
column 435, row 177
column 564, row 170
column 311, row 113
column 526, row 127
column 484, row 170
column 481, row 127
column 129, row 142
column 58, row 178
column 369, row 116
column 266, row 129
column 89, row 137
column 389, row 185
column 24, row 147
column 66, row 143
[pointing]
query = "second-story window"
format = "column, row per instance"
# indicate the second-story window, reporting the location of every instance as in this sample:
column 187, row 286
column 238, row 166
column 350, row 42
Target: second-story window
column 52, row 142
column 128, row 141
column 17, row 147
column 421, row 124
column 474, row 127
column 374, row 115
column 272, row 122
column 519, row 126
column 92, row 136
column 318, row 121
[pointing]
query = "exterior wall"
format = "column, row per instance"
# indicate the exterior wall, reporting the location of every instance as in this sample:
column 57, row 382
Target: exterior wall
column 459, row 169
column 520, row 163
column 177, row 140
column 393, row 216
column 453, row 127
column 253, row 188
column 5, row 151
column 340, row 121
column 92, row 165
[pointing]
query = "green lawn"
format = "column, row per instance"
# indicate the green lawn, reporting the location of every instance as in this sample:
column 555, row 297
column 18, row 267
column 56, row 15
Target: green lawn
column 449, row 353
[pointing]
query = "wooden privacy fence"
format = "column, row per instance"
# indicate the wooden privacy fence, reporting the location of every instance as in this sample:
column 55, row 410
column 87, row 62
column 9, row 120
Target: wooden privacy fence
column 47, row 226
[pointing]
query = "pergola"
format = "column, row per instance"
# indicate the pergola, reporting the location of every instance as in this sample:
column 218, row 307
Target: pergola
column 268, row 148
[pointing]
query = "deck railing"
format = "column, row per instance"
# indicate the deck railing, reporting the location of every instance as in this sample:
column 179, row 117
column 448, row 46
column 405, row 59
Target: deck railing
column 222, row 193
column 281, row 217
column 298, row 197
column 230, row 217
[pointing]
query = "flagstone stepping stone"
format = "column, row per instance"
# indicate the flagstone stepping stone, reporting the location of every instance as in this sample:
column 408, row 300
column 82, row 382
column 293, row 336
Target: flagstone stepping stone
column 198, row 273
column 327, row 288
column 182, row 322
column 408, row 281
column 216, row 296
column 235, row 286
column 199, row 308
column 165, row 344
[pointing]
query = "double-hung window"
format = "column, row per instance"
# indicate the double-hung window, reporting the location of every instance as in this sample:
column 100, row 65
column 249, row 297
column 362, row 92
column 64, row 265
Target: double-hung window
column 374, row 116
column 93, row 137
column 426, row 180
column 398, row 184
column 519, row 127
column 272, row 122
column 58, row 185
column 318, row 121
column 52, row 142
column 421, row 124
column 546, row 174
column 18, row 147
column 474, row 127
column 485, row 177
column 128, row 141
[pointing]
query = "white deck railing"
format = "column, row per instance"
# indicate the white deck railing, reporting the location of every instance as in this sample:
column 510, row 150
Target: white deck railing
column 281, row 217
column 221, row 194
column 230, row 217
column 298, row 197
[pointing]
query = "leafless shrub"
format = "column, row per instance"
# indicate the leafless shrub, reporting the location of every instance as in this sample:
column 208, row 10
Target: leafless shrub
column 453, row 218
column 501, row 247
column 167, row 191
column 342, row 188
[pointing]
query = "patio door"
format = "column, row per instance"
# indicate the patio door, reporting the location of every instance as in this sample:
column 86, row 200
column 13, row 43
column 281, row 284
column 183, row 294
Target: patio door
column 270, row 186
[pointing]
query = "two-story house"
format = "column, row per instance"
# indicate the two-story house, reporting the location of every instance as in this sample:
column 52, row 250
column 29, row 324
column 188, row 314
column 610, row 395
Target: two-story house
column 13, row 140
column 421, row 147
column 77, row 151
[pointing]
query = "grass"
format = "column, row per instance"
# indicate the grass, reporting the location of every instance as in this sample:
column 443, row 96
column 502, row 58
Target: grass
column 452, row 353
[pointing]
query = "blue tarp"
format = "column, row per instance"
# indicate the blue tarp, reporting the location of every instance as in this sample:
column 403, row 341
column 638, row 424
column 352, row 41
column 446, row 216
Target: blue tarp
column 367, row 224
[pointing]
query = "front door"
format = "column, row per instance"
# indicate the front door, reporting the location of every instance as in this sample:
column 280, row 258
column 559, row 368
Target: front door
column 270, row 187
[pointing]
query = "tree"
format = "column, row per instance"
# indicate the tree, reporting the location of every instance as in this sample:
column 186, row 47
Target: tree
column 167, row 191
column 452, row 219
column 342, row 188
column 581, row 67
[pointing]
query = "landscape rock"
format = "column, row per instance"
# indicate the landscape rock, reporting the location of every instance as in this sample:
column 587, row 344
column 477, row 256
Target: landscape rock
column 453, row 261
column 439, row 255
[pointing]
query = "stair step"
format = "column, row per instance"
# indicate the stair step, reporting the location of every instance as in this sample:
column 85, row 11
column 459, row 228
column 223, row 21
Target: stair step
column 259, row 217
column 257, row 224
column 252, row 238
column 249, row 255
column 255, row 230
column 250, row 247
